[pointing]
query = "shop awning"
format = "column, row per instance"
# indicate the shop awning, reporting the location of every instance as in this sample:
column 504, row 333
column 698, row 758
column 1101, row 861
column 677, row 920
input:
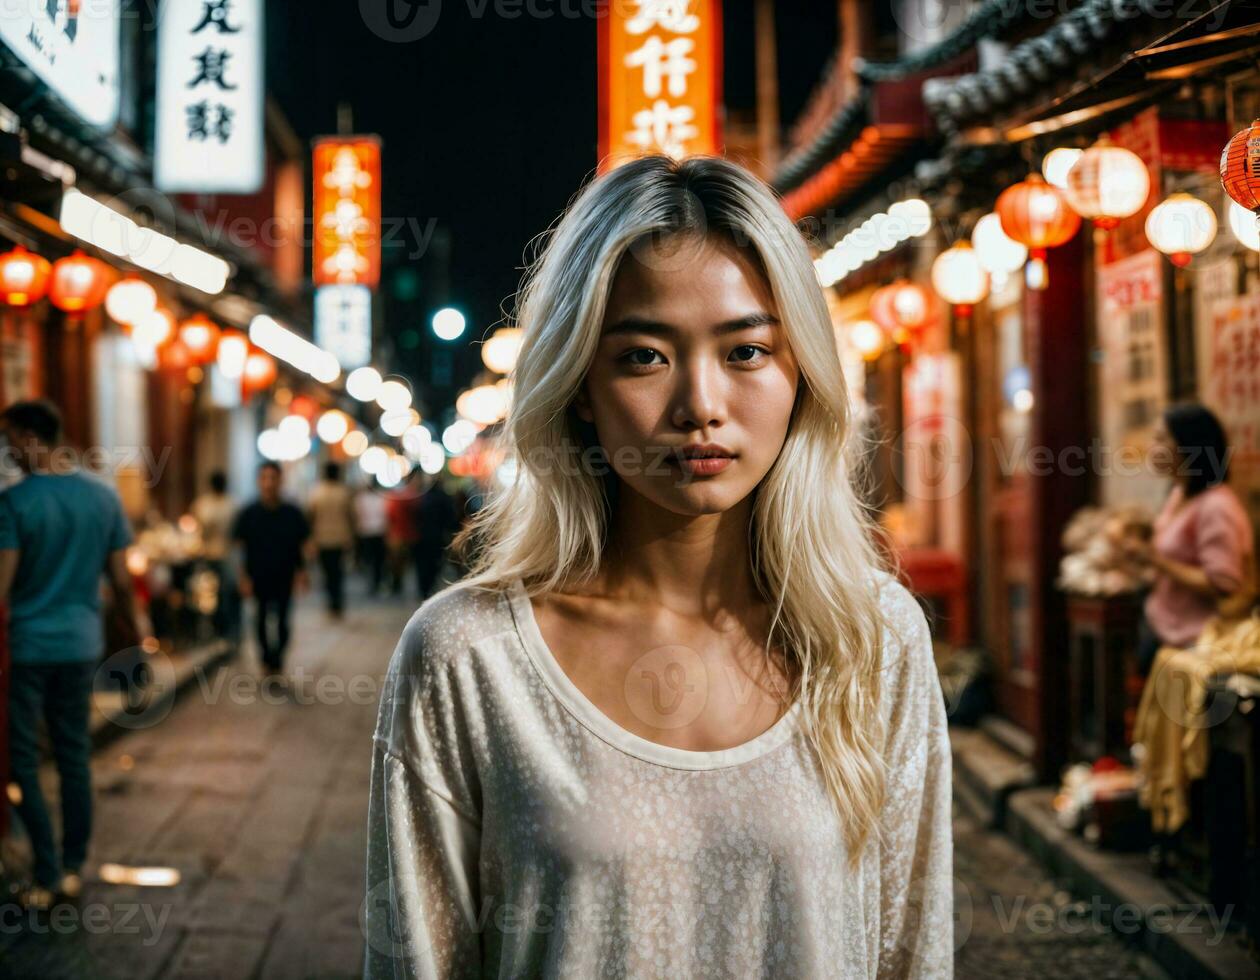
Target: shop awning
column 1009, row 103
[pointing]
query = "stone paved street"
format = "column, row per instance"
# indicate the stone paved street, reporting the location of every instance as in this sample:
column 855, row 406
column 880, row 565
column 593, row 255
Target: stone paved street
column 1015, row 923
column 260, row 806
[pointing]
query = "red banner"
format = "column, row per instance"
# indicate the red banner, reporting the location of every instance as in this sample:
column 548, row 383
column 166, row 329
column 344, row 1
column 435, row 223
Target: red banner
column 347, row 211
column 660, row 79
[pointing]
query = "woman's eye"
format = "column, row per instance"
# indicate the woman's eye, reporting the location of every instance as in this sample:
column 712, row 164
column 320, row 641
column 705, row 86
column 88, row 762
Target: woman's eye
column 641, row 357
column 749, row 353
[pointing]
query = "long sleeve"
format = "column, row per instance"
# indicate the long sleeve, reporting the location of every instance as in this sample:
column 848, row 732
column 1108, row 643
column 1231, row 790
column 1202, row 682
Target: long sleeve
column 1221, row 540
column 916, row 856
column 422, row 911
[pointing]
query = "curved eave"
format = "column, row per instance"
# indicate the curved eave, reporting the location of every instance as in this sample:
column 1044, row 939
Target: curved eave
column 877, row 150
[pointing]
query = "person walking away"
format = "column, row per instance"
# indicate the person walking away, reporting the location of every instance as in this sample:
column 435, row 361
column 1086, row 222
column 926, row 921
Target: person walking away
column 371, row 523
column 331, row 513
column 436, row 526
column 272, row 534
column 59, row 531
column 400, row 516
column 213, row 511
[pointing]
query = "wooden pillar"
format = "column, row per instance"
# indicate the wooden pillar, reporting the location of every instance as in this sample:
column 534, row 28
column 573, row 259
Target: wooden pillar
column 1057, row 324
column 767, row 86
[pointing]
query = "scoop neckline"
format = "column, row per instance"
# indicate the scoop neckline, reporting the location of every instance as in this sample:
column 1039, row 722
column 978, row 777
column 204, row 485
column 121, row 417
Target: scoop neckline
column 589, row 715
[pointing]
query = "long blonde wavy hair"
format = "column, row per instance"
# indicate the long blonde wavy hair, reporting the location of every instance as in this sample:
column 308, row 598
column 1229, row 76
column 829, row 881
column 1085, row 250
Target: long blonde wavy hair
column 811, row 548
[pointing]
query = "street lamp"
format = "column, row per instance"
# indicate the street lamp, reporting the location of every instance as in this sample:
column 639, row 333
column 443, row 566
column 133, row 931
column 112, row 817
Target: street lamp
column 448, row 323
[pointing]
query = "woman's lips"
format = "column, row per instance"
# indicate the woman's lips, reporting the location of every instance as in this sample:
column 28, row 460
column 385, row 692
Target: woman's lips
column 703, row 465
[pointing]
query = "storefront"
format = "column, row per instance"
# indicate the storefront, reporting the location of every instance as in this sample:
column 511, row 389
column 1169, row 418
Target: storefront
column 1037, row 396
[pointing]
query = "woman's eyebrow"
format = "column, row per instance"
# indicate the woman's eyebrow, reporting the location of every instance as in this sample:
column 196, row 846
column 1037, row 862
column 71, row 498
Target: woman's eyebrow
column 635, row 324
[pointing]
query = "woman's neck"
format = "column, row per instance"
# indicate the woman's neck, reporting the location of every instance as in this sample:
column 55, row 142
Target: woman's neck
column 692, row 565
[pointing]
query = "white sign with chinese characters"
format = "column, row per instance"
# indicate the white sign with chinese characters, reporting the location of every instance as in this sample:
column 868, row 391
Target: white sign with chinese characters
column 343, row 323
column 73, row 48
column 210, row 96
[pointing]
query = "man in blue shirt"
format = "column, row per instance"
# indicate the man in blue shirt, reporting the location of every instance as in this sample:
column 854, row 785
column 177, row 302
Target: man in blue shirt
column 60, row 530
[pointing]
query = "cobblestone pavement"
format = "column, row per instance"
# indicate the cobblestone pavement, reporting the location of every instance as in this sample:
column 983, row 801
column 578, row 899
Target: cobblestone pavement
column 1012, row 921
column 258, row 799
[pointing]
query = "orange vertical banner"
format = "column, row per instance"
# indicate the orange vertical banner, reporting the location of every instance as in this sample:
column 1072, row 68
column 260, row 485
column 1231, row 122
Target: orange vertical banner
column 660, row 79
column 346, row 209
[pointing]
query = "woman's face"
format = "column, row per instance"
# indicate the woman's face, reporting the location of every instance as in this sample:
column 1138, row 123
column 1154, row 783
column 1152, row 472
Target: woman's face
column 691, row 360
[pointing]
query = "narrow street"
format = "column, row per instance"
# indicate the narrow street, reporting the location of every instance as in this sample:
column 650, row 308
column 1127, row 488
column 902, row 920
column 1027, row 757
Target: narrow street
column 1013, row 922
column 257, row 800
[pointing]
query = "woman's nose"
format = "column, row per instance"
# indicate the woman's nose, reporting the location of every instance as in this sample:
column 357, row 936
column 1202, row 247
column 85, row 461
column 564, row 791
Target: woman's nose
column 698, row 401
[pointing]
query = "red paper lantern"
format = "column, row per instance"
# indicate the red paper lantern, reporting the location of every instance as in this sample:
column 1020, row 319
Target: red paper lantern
column 175, row 356
column 1038, row 216
column 260, row 371
column 200, row 335
column 911, row 305
column 79, row 283
column 304, row 406
column 881, row 308
column 23, row 277
column 1240, row 167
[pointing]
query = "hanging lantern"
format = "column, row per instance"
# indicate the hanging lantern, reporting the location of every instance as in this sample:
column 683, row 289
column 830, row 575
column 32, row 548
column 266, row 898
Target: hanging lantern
column 155, row 329
column 259, row 371
column 23, row 277
column 78, row 283
column 232, row 353
column 866, row 338
column 959, row 278
column 1181, row 226
column 881, row 310
column 1057, row 163
column 998, row 252
column 200, row 335
column 130, row 299
column 1244, row 226
column 1240, row 168
column 175, row 356
column 911, row 305
column 1038, row 217
column 1107, row 184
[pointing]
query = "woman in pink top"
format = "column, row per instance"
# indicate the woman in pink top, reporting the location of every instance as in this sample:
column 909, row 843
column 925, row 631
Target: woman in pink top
column 1203, row 540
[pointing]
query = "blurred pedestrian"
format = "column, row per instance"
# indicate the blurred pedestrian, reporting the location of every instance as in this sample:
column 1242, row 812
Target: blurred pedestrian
column 213, row 511
column 400, row 513
column 272, row 533
column 331, row 513
column 435, row 527
column 1201, row 549
column 59, row 531
column 371, row 522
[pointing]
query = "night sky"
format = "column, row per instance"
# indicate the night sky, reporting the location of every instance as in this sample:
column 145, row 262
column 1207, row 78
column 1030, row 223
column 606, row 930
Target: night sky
column 488, row 122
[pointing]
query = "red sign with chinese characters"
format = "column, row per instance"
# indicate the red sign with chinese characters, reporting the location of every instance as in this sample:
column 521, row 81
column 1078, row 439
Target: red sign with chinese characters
column 660, row 79
column 347, row 211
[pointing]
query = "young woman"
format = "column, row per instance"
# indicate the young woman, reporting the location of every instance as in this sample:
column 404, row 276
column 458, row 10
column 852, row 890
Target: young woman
column 1202, row 546
column 676, row 722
